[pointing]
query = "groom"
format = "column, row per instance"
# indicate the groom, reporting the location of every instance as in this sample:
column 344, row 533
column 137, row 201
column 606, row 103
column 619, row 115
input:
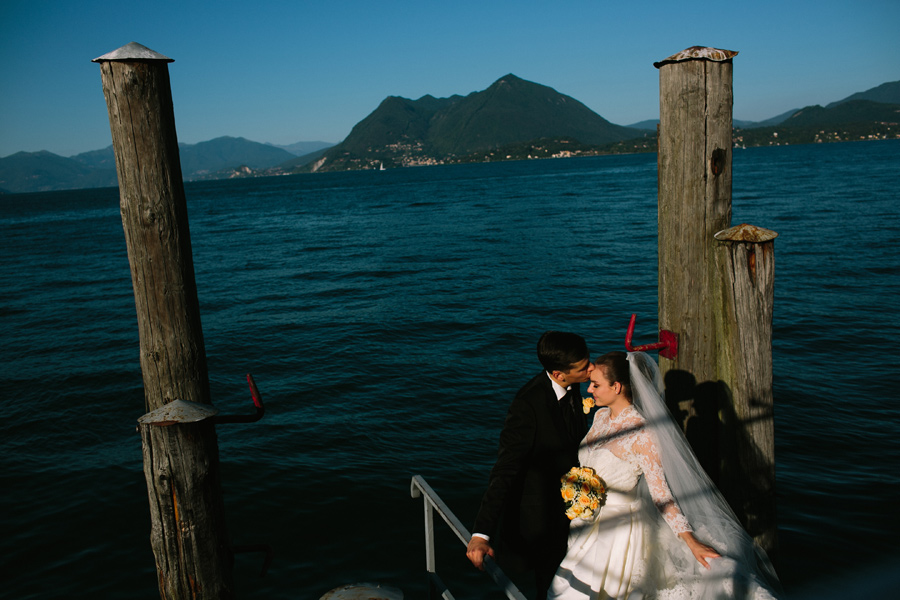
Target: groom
column 522, row 514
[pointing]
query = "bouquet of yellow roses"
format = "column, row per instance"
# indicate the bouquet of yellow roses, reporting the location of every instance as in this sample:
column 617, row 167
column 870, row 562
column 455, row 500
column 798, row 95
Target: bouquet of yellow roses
column 583, row 492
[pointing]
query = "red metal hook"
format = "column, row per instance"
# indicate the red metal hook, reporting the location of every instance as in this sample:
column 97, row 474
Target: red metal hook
column 667, row 344
column 254, row 392
column 257, row 401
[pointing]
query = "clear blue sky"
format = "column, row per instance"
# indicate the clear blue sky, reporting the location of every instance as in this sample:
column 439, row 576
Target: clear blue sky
column 290, row 71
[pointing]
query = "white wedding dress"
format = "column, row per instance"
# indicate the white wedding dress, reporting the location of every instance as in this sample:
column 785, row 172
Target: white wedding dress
column 630, row 550
column 610, row 552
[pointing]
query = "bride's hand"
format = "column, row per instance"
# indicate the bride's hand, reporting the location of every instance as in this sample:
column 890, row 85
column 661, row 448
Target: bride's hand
column 700, row 550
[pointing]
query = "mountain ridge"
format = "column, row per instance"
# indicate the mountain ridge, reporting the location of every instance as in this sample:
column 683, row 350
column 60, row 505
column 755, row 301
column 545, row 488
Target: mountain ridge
column 886, row 93
column 405, row 132
column 430, row 130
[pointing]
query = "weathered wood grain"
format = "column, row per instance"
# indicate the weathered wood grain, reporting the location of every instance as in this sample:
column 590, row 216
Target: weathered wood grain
column 181, row 462
column 716, row 296
column 746, row 263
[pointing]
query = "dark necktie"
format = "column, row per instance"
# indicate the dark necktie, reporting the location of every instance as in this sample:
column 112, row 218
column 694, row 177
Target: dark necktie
column 567, row 405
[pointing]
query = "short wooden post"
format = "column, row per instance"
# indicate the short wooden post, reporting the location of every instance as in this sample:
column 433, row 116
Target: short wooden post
column 181, row 462
column 717, row 379
column 746, row 263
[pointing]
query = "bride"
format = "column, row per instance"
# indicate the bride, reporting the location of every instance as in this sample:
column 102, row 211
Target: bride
column 665, row 531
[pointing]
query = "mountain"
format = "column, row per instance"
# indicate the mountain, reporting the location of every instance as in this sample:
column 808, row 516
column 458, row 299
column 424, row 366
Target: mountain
column 869, row 114
column 304, row 148
column 44, row 171
column 513, row 119
column 402, row 132
column 886, row 93
column 295, row 163
column 395, row 121
column 849, row 111
column 98, row 159
column 777, row 120
column 848, row 120
column 220, row 158
column 514, row 110
column 649, row 124
column 736, row 123
column 198, row 161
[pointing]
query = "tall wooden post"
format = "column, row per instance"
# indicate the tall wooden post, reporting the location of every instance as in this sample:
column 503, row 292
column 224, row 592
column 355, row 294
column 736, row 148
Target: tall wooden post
column 694, row 163
column 711, row 385
column 181, row 462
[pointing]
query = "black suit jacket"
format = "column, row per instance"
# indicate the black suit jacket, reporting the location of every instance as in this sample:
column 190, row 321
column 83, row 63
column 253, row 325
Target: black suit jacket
column 522, row 509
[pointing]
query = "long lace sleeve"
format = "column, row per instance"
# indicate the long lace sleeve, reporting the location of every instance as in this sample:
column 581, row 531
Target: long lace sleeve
column 648, row 457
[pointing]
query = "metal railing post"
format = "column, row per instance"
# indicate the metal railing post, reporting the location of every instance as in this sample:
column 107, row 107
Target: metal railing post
column 429, row 537
column 432, row 502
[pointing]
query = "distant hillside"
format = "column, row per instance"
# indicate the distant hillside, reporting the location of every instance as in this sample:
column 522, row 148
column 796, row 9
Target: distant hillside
column 886, row 93
column 844, row 121
column 649, row 125
column 198, row 161
column 300, row 161
column 511, row 120
column 215, row 159
column 44, row 171
column 304, row 148
column 737, row 124
column 402, row 132
column 98, row 159
column 852, row 111
column 768, row 122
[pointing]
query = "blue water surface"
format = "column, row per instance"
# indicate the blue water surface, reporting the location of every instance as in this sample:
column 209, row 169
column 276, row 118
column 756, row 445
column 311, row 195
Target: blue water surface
column 388, row 317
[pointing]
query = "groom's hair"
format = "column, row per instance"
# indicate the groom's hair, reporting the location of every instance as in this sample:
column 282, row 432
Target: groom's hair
column 559, row 350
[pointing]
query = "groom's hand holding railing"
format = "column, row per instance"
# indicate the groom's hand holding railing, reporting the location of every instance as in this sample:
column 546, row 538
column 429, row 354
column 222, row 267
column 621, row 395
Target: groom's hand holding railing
column 477, row 548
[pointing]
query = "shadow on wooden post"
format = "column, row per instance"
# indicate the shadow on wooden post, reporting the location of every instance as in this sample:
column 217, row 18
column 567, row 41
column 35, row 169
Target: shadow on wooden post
column 746, row 262
column 720, row 384
column 181, row 461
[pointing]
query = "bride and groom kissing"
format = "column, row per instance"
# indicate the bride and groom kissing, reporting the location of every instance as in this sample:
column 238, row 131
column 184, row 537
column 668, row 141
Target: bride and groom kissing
column 664, row 530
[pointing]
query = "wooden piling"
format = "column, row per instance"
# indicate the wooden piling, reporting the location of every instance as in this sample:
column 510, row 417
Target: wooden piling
column 720, row 382
column 746, row 263
column 181, row 462
column 694, row 164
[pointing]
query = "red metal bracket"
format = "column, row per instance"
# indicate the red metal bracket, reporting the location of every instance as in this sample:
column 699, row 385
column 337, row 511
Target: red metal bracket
column 667, row 344
column 257, row 401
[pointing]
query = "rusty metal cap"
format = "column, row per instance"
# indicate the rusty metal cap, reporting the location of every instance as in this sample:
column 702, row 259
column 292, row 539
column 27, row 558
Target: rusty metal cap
column 178, row 411
column 698, row 53
column 746, row 233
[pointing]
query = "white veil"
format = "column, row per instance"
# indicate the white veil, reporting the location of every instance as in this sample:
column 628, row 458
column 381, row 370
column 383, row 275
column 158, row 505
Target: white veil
column 744, row 571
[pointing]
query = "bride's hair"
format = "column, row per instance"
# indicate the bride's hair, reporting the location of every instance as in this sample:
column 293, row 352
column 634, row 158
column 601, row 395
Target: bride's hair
column 615, row 369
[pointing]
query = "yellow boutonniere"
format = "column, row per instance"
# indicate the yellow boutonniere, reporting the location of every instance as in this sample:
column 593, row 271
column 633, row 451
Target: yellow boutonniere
column 587, row 404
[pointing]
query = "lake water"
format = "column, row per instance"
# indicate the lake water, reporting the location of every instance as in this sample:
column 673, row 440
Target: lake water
column 388, row 318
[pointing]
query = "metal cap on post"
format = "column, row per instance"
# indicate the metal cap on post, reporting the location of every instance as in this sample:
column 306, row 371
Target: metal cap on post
column 698, row 53
column 131, row 52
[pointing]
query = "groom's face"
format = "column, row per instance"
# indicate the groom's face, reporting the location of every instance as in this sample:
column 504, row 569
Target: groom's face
column 578, row 373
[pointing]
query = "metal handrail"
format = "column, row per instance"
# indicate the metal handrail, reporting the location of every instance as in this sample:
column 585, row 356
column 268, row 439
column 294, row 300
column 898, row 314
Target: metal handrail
column 418, row 487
